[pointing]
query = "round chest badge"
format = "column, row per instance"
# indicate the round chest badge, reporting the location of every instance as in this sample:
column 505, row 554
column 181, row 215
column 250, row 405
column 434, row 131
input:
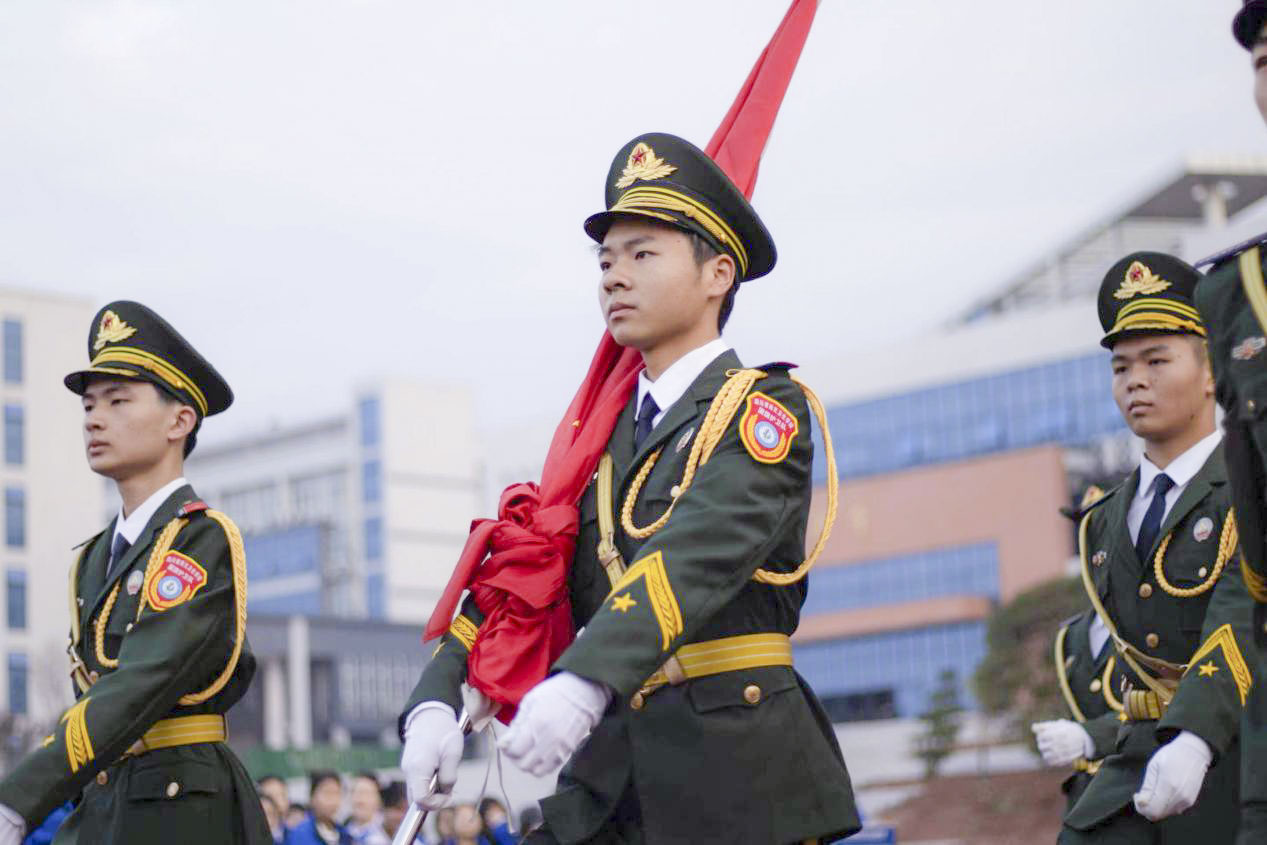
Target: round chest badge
column 176, row 581
column 767, row 429
column 1203, row 529
column 134, row 582
column 1099, row 558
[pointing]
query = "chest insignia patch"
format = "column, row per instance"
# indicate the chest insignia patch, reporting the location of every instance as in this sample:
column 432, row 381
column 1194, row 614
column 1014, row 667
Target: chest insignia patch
column 1099, row 558
column 686, row 438
column 176, row 581
column 1249, row 348
column 134, row 582
column 767, row 429
column 1203, row 529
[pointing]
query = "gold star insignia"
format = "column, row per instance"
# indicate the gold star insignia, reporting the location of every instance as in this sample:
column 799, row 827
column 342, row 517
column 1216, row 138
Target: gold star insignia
column 622, row 603
column 1208, row 669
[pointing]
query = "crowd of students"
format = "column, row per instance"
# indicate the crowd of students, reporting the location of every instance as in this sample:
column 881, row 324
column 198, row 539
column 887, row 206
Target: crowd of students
column 375, row 813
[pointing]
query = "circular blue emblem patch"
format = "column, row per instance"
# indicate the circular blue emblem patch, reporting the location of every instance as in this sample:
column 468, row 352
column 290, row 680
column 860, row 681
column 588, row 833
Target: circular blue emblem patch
column 170, row 587
column 767, row 434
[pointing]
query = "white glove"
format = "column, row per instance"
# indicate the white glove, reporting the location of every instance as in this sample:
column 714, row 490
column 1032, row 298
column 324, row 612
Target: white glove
column 552, row 721
column 12, row 827
column 1174, row 776
column 1062, row 741
column 433, row 745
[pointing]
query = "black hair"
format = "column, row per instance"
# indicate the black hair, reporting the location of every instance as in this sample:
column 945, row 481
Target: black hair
column 393, row 795
column 263, row 779
column 320, row 776
column 368, row 775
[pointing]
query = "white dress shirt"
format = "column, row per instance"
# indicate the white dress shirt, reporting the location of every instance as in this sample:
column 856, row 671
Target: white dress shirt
column 674, row 381
column 131, row 526
column 1181, row 470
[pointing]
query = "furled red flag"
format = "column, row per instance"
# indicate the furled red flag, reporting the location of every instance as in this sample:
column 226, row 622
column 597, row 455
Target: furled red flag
column 516, row 566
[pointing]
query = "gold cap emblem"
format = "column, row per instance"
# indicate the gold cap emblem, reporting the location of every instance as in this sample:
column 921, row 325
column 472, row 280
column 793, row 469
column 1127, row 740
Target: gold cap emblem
column 1140, row 280
column 643, row 164
column 111, row 330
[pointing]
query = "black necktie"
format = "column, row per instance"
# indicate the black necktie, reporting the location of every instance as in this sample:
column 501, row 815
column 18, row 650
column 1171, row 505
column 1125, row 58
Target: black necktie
column 117, row 551
column 1151, row 525
column 646, row 420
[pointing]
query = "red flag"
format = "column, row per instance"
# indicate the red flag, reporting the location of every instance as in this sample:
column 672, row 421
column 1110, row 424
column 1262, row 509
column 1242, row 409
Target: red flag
column 516, row 566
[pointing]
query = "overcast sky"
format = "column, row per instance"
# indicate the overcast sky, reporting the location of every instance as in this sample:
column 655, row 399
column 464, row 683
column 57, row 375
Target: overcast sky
column 320, row 192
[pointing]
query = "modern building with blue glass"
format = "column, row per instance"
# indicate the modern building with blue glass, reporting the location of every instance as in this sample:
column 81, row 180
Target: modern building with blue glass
column 956, row 450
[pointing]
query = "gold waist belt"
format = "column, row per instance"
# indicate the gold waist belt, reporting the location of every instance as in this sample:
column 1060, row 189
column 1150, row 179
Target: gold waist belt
column 1142, row 705
column 182, row 730
column 712, row 657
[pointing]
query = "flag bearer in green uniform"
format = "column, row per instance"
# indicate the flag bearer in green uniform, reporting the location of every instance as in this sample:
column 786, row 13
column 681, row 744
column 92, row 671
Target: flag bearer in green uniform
column 1233, row 302
column 158, row 618
column 1086, row 670
column 1159, row 566
column 677, row 708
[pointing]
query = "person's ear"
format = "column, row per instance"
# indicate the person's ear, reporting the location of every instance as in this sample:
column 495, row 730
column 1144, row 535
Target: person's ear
column 719, row 274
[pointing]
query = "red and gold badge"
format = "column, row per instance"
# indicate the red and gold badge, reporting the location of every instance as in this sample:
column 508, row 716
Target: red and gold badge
column 767, row 429
column 175, row 582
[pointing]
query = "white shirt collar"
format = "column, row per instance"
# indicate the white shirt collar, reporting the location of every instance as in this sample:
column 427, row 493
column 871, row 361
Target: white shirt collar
column 1181, row 469
column 674, row 381
column 131, row 526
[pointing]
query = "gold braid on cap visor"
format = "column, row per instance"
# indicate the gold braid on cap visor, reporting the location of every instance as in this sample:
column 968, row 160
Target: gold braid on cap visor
column 156, row 365
column 648, row 200
column 1160, row 314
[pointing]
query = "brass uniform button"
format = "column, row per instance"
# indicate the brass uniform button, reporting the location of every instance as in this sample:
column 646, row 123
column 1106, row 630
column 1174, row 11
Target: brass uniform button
column 1202, row 572
column 102, row 778
column 637, row 701
column 172, row 789
column 1145, row 590
column 1250, row 405
column 93, row 676
column 1095, row 685
column 1152, row 640
column 675, row 491
column 752, row 694
column 128, row 629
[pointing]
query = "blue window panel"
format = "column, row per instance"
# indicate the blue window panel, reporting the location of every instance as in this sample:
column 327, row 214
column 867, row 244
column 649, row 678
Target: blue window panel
column 290, row 551
column 15, row 599
column 13, row 365
column 18, row 673
column 971, row 570
column 15, row 517
column 372, row 481
column 374, row 538
column 303, row 603
column 14, row 435
column 371, row 424
column 1067, row 402
column 376, row 595
column 907, row 662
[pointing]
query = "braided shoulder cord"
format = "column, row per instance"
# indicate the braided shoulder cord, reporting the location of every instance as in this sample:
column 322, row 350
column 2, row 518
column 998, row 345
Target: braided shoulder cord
column 238, row 554
column 161, row 547
column 716, row 421
column 1227, row 547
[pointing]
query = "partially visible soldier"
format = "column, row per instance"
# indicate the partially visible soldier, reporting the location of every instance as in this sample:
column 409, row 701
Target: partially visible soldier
column 1085, row 669
column 1159, row 567
column 158, row 618
column 1233, row 302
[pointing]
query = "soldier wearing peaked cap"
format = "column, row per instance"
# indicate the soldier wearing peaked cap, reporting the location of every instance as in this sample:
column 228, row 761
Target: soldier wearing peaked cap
column 158, row 645
column 677, row 709
column 1159, row 567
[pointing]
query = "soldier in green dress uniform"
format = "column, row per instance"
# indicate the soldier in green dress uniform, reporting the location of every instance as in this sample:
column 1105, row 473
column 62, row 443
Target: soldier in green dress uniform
column 677, row 708
column 1232, row 299
column 1159, row 566
column 158, row 618
column 1086, row 670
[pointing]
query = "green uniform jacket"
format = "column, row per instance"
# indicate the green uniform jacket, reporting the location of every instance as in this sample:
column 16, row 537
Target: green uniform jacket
column 701, row 762
column 1087, row 682
column 1209, row 630
column 189, row 794
column 1239, row 359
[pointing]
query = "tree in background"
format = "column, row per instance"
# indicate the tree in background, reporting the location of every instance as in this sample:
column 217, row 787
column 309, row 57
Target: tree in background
column 941, row 723
column 1017, row 679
